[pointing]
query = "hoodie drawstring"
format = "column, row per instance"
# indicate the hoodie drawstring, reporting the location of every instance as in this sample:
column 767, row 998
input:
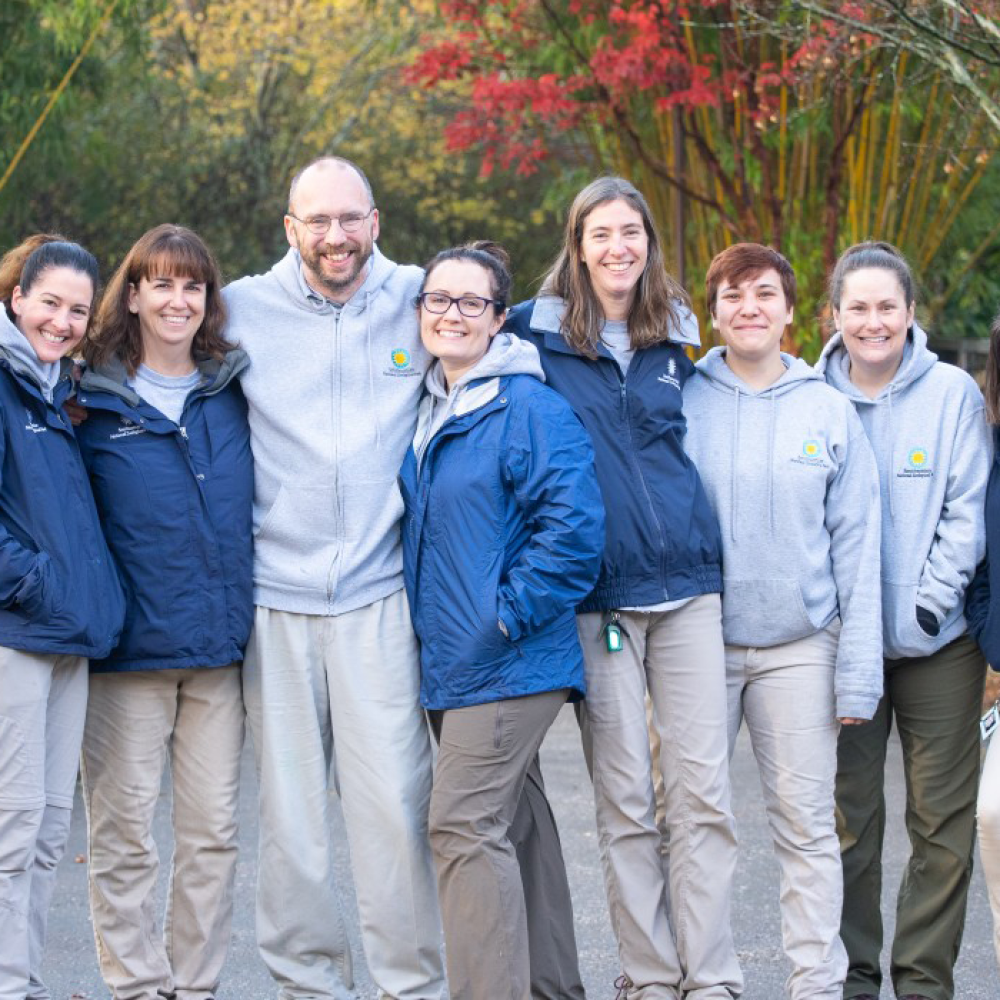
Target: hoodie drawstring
column 733, row 491
column 888, row 465
column 770, row 461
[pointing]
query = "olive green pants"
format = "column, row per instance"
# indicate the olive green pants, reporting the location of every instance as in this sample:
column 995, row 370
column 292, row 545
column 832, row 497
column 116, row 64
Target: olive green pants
column 935, row 701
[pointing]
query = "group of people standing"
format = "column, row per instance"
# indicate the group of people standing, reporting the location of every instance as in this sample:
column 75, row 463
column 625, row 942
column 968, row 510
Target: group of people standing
column 364, row 508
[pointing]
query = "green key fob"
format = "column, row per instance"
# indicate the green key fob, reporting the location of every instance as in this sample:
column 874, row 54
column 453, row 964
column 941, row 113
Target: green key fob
column 613, row 637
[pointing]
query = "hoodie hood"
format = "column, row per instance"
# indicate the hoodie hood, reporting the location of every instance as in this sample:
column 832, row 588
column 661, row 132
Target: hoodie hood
column 288, row 273
column 713, row 366
column 834, row 365
column 507, row 355
column 14, row 346
column 549, row 310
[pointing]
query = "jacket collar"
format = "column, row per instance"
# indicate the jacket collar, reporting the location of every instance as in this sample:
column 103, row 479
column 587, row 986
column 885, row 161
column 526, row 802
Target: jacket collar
column 112, row 377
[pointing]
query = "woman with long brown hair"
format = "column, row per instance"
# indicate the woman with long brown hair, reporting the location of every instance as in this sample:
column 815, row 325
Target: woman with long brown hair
column 167, row 445
column 611, row 328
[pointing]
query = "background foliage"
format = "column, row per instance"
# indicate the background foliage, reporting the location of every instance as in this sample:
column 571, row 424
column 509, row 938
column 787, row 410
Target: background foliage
column 804, row 123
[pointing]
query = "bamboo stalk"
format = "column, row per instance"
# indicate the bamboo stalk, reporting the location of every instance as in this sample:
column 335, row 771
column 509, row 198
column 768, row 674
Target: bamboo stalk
column 940, row 232
column 918, row 165
column 890, row 139
column 51, row 103
column 871, row 142
column 932, row 241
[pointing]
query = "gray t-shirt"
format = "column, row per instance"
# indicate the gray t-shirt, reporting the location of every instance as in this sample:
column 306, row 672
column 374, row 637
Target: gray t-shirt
column 167, row 393
column 614, row 334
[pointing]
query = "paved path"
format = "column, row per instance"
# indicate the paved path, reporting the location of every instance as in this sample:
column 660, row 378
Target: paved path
column 72, row 969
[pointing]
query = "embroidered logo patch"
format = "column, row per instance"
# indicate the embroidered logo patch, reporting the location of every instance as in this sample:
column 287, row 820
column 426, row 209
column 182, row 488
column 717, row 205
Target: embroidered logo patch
column 812, row 453
column 918, row 465
column 401, row 364
column 32, row 425
column 669, row 377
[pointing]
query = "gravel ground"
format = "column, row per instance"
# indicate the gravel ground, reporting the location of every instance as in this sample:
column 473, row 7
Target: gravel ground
column 71, row 969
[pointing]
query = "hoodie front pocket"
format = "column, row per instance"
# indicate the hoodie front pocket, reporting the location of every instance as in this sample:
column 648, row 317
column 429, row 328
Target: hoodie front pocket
column 764, row 612
column 903, row 636
column 293, row 544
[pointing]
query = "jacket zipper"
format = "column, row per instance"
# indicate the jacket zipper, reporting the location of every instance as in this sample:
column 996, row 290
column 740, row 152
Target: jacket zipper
column 642, row 480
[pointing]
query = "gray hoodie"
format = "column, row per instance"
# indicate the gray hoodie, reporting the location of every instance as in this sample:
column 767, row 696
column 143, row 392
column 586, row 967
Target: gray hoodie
column 507, row 355
column 21, row 355
column 928, row 430
column 333, row 399
column 791, row 477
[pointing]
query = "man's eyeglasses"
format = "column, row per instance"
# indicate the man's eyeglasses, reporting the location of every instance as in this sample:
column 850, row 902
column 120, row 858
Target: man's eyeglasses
column 469, row 306
column 319, row 225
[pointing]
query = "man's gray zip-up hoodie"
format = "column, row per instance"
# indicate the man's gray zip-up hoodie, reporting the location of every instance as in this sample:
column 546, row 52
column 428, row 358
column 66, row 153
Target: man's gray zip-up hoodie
column 928, row 430
column 333, row 397
column 791, row 477
column 507, row 355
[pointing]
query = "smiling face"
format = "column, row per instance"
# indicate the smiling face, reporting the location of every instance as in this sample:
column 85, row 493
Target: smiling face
column 459, row 341
column 171, row 309
column 874, row 319
column 614, row 248
column 335, row 264
column 752, row 316
column 54, row 312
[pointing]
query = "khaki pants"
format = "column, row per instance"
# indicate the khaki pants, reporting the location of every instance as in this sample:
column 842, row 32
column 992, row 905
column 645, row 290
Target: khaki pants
column 43, row 701
column 935, row 701
column 671, row 942
column 785, row 695
column 484, row 756
column 344, row 686
column 988, row 824
column 135, row 721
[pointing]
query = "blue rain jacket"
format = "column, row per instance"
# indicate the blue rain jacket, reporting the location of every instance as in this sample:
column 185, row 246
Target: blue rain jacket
column 663, row 541
column 176, row 503
column 59, row 590
column 503, row 521
column 982, row 610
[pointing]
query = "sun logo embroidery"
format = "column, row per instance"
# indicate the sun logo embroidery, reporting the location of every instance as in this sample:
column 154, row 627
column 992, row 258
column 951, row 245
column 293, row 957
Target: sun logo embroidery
column 917, row 458
column 810, row 448
column 400, row 359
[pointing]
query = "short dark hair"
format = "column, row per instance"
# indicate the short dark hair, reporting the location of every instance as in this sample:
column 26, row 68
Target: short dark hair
column 490, row 256
column 745, row 262
column 871, row 253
